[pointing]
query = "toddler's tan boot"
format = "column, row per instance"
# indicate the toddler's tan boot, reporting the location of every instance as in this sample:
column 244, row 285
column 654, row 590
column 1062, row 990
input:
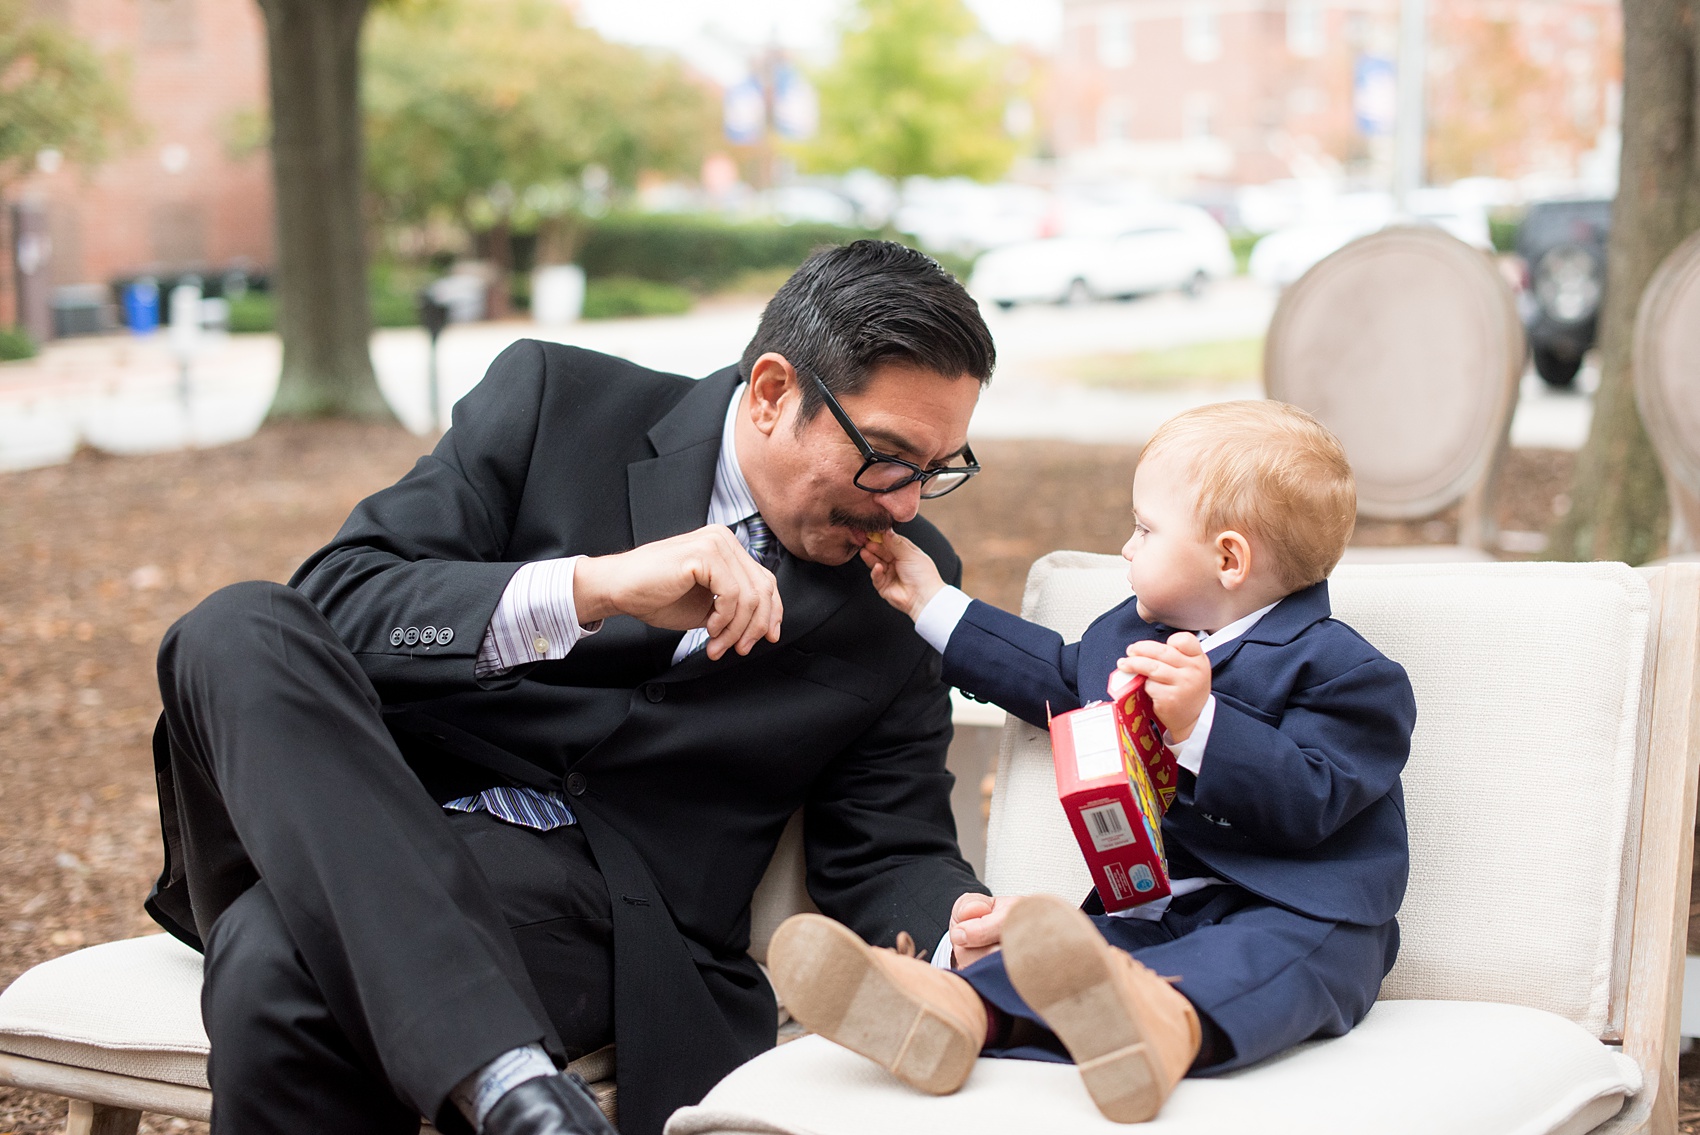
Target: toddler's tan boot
column 925, row 1025
column 1131, row 1034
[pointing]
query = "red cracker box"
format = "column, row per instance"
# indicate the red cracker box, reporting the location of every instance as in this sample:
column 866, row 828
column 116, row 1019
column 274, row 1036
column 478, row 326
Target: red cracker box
column 1105, row 755
column 1133, row 704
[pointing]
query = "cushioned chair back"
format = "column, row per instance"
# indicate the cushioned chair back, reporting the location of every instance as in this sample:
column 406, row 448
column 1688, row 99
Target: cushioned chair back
column 1667, row 384
column 783, row 890
column 1406, row 344
column 1505, row 783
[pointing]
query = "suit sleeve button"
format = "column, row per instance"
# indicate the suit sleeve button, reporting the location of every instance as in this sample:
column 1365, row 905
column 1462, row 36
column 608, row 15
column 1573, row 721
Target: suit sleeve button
column 396, row 637
column 411, row 638
column 655, row 692
column 576, row 784
column 445, row 635
column 427, row 635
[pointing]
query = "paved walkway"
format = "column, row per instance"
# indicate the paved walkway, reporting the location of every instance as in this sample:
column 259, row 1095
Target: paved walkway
column 123, row 394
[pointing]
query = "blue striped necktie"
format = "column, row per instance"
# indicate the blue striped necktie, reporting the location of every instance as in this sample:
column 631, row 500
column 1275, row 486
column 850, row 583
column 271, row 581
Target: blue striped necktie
column 759, row 542
column 763, row 548
column 545, row 811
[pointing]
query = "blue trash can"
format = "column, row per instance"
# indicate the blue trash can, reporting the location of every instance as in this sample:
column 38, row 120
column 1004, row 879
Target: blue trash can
column 141, row 305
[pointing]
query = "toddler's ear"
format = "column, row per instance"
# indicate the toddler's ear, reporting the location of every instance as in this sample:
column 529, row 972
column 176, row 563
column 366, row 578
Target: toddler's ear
column 1233, row 559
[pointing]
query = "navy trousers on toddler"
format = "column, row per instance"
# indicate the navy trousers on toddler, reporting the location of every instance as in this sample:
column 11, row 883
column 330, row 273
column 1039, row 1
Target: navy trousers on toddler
column 1261, row 977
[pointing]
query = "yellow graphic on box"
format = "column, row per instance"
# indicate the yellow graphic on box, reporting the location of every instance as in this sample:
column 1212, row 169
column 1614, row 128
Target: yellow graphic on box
column 1151, row 811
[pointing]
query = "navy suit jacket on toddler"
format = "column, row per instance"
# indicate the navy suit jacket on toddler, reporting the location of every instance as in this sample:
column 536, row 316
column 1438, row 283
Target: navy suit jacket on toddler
column 1297, row 798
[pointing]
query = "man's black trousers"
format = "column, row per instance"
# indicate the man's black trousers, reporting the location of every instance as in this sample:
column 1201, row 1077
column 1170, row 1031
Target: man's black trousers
column 365, row 950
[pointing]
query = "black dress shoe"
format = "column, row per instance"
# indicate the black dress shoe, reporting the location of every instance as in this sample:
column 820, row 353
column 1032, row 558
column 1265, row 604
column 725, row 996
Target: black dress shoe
column 548, row 1105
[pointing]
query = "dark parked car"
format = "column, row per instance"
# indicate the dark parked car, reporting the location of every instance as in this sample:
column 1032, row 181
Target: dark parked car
column 1563, row 244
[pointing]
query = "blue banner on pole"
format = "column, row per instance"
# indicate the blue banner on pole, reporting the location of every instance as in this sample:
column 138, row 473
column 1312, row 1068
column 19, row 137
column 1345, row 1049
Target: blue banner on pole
column 1375, row 95
column 744, row 112
column 796, row 111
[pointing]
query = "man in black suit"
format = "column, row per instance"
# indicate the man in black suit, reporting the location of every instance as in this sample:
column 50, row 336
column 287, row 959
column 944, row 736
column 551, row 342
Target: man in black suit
column 491, row 783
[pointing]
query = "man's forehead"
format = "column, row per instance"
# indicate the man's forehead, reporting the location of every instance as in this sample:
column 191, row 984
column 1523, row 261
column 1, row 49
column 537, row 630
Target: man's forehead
column 917, row 410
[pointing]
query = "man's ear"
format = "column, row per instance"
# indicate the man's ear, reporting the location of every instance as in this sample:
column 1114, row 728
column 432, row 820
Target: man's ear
column 773, row 382
column 1233, row 560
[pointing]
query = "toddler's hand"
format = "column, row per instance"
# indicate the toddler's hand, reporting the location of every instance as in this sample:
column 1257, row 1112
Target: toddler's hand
column 903, row 574
column 1177, row 676
column 976, row 926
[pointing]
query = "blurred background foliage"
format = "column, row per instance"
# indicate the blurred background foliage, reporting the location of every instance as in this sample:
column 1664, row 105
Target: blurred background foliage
column 58, row 94
column 703, row 253
column 506, row 131
column 507, row 116
column 918, row 90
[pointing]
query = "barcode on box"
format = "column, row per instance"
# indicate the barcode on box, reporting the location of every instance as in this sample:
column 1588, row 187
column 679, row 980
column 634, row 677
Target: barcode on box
column 1107, row 826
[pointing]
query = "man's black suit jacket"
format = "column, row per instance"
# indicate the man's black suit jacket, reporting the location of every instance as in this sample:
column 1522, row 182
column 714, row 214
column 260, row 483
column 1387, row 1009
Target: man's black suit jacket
column 682, row 775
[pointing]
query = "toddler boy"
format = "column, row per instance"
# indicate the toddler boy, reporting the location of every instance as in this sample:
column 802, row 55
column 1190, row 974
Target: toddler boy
column 1286, row 841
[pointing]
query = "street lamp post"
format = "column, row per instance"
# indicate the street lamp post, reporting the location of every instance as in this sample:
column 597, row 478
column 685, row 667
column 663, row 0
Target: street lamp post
column 433, row 316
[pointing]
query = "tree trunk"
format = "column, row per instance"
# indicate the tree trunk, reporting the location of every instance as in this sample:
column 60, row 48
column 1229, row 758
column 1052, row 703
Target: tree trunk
column 1619, row 510
column 323, row 313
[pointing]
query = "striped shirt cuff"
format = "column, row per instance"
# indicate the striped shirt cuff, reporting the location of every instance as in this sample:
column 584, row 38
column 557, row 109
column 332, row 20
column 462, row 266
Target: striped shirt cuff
column 535, row 621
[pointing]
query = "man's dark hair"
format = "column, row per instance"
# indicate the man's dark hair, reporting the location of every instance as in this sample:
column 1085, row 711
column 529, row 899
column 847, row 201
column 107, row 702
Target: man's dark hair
column 854, row 306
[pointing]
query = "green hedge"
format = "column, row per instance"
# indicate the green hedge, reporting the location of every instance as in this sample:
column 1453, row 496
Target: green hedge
column 15, row 343
column 252, row 312
column 1242, row 242
column 699, row 253
column 1502, row 229
column 391, row 307
column 616, row 296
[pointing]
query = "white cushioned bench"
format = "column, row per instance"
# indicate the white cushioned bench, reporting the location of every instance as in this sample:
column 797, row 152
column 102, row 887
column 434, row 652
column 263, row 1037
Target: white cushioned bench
column 1550, row 798
column 1551, row 804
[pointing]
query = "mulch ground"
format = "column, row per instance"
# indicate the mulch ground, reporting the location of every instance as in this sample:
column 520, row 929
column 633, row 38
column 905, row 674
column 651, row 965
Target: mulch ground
column 102, row 554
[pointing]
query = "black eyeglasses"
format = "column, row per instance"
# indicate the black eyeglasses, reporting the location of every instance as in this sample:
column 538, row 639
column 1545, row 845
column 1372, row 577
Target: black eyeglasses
column 883, row 473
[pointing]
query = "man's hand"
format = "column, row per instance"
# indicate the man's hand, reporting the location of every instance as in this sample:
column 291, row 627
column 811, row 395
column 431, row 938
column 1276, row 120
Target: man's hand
column 903, row 574
column 976, row 926
column 700, row 579
column 1177, row 676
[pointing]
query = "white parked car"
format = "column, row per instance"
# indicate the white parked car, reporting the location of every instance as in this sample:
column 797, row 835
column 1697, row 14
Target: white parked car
column 1288, row 253
column 1176, row 247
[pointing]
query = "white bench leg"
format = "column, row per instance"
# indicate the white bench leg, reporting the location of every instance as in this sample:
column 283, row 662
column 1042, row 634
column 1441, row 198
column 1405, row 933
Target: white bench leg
column 87, row 1118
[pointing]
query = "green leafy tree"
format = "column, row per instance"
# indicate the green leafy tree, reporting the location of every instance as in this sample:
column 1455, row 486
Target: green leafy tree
column 917, row 90
column 56, row 93
column 490, row 113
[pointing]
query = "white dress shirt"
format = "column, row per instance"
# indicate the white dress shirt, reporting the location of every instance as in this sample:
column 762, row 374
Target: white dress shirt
column 938, row 621
column 536, row 621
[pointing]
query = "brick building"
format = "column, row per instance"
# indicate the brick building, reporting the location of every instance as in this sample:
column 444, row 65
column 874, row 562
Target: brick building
column 193, row 193
column 1249, row 91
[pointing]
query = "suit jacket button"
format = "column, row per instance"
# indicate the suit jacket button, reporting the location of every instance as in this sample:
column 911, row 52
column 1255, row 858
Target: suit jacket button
column 427, row 635
column 411, row 638
column 576, row 784
column 396, row 637
column 445, row 635
column 655, row 692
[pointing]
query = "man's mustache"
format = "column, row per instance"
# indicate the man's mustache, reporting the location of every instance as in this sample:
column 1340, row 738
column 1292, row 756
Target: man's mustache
column 872, row 522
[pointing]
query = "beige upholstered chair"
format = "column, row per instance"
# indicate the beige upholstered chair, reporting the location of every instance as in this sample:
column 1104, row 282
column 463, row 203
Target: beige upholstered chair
column 1667, row 385
column 1550, row 795
column 1406, row 344
column 116, row 1028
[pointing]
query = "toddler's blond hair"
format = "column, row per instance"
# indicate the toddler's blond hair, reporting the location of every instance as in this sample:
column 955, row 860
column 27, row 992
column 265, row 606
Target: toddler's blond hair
column 1271, row 472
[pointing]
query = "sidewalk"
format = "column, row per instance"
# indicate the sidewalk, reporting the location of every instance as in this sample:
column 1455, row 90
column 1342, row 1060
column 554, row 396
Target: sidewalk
column 123, row 394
